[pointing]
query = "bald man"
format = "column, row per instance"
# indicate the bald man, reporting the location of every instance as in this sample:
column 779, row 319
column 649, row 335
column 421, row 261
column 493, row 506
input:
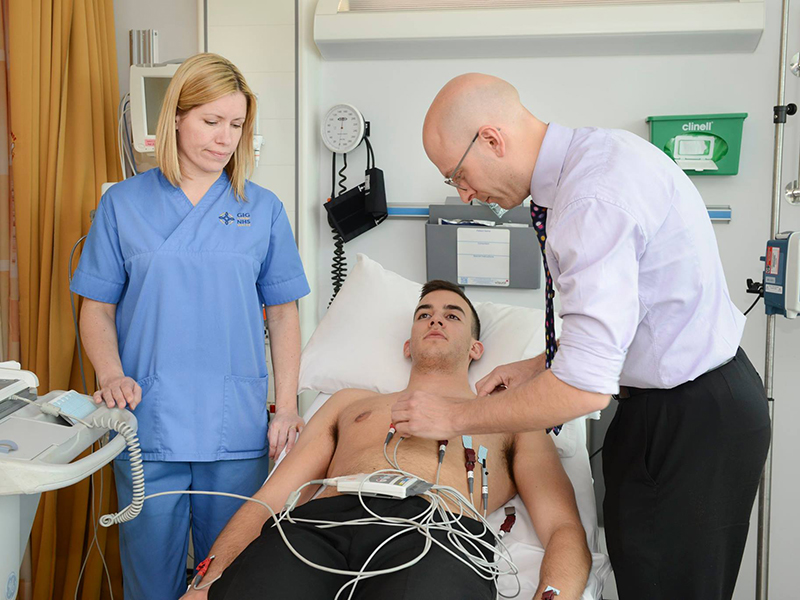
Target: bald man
column 647, row 318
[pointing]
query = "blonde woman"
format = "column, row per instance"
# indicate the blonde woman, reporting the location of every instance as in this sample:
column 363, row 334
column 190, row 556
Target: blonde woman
column 178, row 263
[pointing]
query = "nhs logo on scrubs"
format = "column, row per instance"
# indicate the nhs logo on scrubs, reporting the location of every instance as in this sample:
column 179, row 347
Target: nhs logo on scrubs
column 242, row 219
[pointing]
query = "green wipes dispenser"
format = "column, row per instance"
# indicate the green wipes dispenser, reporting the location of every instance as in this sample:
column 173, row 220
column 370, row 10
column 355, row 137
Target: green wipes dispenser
column 700, row 144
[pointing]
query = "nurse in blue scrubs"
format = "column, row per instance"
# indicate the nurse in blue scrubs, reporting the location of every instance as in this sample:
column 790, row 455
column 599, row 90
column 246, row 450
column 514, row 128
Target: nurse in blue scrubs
column 176, row 268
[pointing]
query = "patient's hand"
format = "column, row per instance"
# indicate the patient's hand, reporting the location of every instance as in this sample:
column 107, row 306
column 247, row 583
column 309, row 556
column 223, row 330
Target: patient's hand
column 283, row 430
column 510, row 375
column 193, row 594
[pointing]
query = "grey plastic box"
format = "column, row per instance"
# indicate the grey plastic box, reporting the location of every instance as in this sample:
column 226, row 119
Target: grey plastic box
column 441, row 243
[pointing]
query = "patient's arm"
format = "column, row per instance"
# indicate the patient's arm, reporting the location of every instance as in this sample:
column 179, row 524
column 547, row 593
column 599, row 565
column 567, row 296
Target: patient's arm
column 308, row 460
column 550, row 500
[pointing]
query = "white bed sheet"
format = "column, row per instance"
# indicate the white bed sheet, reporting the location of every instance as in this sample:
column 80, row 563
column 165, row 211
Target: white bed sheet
column 523, row 544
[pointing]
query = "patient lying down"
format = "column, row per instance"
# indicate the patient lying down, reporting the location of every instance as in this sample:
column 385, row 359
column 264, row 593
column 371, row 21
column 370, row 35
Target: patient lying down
column 346, row 437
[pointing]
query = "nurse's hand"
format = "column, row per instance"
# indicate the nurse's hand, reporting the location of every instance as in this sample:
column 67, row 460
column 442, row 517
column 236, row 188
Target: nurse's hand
column 509, row 376
column 119, row 392
column 283, row 429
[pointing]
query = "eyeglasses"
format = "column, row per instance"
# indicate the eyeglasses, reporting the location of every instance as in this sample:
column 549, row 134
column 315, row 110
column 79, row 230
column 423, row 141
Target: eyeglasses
column 449, row 180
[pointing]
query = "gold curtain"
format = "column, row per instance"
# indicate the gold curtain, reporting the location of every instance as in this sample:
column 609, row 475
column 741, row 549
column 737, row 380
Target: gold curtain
column 9, row 283
column 63, row 103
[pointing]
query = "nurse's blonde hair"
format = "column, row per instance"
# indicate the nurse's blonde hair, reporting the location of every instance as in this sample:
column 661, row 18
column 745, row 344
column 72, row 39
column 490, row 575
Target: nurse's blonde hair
column 201, row 79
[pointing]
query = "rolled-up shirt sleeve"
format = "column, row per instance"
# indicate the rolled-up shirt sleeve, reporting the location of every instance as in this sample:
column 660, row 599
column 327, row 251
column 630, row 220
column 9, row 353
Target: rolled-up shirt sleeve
column 597, row 246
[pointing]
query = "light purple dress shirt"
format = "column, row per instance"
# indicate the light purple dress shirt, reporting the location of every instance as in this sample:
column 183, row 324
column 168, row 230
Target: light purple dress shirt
column 633, row 256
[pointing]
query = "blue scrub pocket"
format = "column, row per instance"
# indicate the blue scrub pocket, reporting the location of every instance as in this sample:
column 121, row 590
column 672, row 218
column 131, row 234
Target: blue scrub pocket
column 148, row 414
column 244, row 427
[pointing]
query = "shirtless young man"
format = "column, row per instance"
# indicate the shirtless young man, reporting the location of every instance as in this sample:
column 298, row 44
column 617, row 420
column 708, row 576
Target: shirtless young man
column 346, row 437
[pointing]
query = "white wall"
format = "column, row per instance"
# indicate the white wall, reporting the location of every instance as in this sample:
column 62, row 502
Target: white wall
column 175, row 21
column 309, row 66
column 393, row 96
column 177, row 24
column 258, row 37
column 617, row 92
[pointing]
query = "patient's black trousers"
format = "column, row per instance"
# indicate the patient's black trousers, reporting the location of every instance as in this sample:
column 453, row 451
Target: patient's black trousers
column 267, row 570
column 681, row 468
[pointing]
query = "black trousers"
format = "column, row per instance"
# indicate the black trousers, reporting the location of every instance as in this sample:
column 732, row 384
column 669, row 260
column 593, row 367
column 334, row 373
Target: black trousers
column 682, row 468
column 268, row 570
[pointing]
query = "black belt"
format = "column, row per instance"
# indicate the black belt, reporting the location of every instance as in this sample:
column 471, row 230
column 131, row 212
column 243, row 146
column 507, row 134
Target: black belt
column 626, row 392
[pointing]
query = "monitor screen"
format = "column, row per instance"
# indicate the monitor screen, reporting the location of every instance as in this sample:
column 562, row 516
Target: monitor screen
column 155, row 88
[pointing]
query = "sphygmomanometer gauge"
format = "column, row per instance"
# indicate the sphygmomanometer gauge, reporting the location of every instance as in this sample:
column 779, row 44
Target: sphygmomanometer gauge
column 343, row 128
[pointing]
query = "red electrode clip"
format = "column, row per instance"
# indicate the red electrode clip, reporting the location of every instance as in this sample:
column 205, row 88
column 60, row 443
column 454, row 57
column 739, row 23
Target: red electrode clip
column 202, row 568
column 469, row 453
column 511, row 518
column 549, row 595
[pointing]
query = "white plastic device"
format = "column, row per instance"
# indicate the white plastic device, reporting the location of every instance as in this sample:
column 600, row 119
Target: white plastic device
column 343, row 128
column 385, row 485
column 149, row 85
column 695, row 152
column 36, row 450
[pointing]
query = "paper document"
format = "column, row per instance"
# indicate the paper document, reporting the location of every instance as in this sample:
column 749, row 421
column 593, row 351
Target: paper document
column 483, row 256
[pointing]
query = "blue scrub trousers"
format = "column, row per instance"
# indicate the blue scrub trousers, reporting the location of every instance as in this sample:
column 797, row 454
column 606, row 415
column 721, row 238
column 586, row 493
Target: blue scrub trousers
column 154, row 545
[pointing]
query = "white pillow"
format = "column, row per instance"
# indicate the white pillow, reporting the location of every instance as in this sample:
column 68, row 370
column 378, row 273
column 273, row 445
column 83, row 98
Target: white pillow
column 359, row 342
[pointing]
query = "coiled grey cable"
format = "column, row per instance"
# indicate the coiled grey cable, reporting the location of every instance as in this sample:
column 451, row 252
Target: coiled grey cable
column 137, row 471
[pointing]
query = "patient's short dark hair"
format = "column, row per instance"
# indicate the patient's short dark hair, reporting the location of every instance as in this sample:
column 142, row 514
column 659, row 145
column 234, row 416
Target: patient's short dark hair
column 440, row 284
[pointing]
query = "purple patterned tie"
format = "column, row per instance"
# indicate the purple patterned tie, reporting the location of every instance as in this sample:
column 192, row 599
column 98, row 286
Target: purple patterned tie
column 539, row 217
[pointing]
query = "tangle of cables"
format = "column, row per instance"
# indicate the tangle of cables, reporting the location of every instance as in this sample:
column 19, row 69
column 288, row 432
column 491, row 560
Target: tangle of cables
column 483, row 552
column 445, row 513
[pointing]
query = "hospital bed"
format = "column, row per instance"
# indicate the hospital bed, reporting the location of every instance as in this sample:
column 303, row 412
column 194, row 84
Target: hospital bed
column 358, row 344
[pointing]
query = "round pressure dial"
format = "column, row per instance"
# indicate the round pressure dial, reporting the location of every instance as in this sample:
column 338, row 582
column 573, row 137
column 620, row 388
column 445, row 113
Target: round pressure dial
column 343, row 128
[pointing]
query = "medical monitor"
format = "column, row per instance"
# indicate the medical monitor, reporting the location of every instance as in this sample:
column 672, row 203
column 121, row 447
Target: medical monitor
column 149, row 85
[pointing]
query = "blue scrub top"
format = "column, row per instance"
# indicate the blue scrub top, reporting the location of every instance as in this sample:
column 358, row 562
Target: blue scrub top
column 188, row 282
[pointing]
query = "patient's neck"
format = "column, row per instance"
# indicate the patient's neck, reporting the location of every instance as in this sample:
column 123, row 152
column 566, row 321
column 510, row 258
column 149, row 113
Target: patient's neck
column 453, row 384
